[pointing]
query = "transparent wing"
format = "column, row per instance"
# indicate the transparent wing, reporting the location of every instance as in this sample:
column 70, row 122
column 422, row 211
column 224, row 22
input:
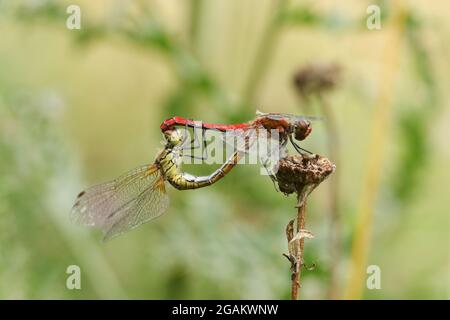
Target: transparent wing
column 124, row 203
column 257, row 143
column 279, row 116
column 239, row 140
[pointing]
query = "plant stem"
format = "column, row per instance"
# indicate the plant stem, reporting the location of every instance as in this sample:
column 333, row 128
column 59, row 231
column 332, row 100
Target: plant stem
column 371, row 182
column 334, row 236
column 263, row 54
column 301, row 174
column 296, row 272
column 194, row 23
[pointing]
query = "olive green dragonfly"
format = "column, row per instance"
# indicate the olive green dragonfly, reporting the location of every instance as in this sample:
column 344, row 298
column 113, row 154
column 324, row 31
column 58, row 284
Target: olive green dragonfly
column 140, row 195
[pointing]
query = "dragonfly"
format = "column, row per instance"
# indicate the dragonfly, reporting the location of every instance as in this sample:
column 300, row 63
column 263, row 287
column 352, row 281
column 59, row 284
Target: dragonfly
column 289, row 127
column 140, row 195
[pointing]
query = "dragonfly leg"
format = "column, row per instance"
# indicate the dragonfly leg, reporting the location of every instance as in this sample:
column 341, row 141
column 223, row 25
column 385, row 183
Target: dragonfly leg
column 194, row 157
column 193, row 146
column 269, row 171
column 194, row 140
column 272, row 177
column 204, row 153
column 297, row 147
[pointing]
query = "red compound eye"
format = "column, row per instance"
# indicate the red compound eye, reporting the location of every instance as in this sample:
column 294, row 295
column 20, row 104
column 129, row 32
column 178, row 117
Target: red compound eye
column 302, row 130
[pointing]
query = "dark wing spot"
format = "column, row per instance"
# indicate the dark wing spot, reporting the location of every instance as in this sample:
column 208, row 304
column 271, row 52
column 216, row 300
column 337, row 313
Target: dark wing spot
column 81, row 194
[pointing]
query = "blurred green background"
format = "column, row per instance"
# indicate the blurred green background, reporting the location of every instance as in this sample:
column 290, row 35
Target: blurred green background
column 78, row 107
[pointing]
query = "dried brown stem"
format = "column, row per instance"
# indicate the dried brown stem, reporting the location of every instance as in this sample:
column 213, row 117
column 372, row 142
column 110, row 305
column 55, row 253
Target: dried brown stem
column 315, row 81
column 300, row 174
column 296, row 273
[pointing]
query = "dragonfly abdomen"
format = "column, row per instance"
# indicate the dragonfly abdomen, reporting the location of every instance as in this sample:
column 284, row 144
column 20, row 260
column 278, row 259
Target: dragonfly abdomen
column 169, row 124
column 170, row 165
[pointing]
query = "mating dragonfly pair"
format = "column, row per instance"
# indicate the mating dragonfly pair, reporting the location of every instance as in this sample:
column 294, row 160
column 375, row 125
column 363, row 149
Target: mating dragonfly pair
column 140, row 195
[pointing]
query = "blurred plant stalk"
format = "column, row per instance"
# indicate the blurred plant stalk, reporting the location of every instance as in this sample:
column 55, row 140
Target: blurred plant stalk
column 315, row 81
column 335, row 230
column 264, row 53
column 379, row 134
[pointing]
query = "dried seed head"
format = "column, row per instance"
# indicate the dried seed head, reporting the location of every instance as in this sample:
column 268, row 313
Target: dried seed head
column 317, row 78
column 302, row 173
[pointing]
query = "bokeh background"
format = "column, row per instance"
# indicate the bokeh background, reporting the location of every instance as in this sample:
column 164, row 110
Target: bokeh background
column 78, row 107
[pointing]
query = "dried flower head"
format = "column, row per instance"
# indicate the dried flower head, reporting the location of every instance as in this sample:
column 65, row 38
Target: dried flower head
column 302, row 173
column 316, row 78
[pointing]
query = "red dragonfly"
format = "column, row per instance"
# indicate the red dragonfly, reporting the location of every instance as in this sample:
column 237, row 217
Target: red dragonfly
column 289, row 126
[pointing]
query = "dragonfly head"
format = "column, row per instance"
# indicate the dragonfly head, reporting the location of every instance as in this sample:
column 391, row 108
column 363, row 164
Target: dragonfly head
column 302, row 129
column 174, row 138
